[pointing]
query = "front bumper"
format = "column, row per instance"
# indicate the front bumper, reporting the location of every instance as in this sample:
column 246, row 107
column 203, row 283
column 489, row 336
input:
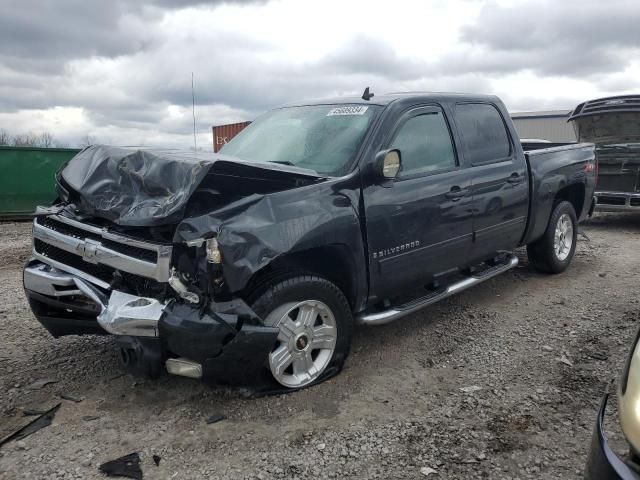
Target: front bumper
column 602, row 463
column 227, row 340
column 617, row 202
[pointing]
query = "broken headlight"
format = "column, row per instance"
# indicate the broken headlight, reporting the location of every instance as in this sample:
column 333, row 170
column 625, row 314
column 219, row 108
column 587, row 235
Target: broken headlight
column 213, row 251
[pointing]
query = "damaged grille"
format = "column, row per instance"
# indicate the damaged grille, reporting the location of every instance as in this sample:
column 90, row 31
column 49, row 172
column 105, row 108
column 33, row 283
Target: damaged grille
column 70, row 230
column 97, row 254
column 75, row 261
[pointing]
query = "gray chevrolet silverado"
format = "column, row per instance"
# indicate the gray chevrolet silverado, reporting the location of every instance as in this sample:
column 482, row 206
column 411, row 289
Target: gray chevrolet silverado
column 316, row 216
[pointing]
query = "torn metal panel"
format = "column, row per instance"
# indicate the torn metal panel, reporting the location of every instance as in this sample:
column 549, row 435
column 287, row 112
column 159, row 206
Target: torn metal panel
column 255, row 231
column 227, row 339
column 127, row 466
column 39, row 423
column 127, row 314
column 154, row 187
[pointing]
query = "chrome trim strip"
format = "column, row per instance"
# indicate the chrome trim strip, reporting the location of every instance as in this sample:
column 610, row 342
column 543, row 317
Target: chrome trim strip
column 386, row 316
column 66, row 268
column 107, row 235
column 120, row 314
column 93, row 251
column 44, row 279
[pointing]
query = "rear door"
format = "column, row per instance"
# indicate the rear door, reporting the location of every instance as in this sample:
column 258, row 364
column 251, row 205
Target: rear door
column 419, row 224
column 500, row 185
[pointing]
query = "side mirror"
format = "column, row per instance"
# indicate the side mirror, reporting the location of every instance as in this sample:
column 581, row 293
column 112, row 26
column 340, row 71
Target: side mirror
column 388, row 163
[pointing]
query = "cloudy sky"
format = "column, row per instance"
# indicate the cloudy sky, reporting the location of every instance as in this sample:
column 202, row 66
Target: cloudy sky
column 120, row 70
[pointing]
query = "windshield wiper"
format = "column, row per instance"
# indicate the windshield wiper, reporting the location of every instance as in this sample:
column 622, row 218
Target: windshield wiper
column 284, row 162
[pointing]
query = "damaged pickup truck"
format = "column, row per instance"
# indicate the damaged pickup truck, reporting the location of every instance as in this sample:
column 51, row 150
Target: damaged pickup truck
column 259, row 260
column 613, row 124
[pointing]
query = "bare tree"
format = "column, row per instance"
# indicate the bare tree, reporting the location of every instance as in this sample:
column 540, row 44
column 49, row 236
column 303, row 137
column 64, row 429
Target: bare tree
column 88, row 140
column 25, row 140
column 5, row 138
column 45, row 139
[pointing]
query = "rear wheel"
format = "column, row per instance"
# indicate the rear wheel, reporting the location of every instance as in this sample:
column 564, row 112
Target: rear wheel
column 553, row 252
column 315, row 323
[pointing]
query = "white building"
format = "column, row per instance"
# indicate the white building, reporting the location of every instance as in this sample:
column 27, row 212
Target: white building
column 549, row 125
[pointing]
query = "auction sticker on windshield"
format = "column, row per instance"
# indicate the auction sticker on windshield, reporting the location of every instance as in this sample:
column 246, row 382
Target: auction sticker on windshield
column 348, row 110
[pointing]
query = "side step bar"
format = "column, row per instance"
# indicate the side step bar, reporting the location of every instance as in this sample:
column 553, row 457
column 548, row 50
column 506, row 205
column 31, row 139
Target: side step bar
column 386, row 316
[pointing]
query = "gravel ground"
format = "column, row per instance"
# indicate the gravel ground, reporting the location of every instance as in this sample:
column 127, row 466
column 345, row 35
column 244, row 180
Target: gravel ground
column 402, row 408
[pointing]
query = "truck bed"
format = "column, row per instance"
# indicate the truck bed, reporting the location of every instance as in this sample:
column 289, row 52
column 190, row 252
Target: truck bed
column 552, row 169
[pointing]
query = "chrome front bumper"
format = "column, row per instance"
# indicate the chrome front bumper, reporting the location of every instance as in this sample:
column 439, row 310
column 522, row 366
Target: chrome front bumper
column 120, row 313
column 617, row 202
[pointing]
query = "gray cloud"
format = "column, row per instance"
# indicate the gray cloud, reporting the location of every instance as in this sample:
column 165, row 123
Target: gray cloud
column 553, row 38
column 116, row 61
column 41, row 36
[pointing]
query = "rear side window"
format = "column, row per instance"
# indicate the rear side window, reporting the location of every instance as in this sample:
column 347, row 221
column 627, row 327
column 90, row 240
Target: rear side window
column 484, row 134
column 425, row 144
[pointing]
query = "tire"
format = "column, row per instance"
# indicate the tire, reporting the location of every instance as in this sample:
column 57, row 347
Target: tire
column 549, row 256
column 311, row 312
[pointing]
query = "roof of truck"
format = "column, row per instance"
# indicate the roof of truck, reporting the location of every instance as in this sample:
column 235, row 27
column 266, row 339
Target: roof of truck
column 387, row 98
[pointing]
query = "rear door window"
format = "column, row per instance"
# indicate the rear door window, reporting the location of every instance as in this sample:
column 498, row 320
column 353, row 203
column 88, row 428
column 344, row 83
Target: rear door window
column 484, row 135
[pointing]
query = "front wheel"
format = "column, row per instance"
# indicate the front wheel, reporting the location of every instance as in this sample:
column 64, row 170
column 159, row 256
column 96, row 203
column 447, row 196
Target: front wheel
column 315, row 324
column 553, row 252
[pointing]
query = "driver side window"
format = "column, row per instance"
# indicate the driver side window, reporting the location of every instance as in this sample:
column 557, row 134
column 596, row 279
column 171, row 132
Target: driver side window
column 425, row 144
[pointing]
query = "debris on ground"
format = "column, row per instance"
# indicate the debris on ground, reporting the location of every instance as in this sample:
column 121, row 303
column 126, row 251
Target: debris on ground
column 127, row 466
column 42, row 421
column 156, row 459
column 470, row 389
column 30, row 412
column 565, row 360
column 215, row 418
column 426, row 471
column 599, row 356
column 38, row 384
column 71, row 398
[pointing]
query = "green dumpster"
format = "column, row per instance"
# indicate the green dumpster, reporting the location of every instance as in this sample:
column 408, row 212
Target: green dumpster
column 27, row 178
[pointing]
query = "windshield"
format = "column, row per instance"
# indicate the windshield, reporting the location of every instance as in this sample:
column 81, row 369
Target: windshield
column 324, row 138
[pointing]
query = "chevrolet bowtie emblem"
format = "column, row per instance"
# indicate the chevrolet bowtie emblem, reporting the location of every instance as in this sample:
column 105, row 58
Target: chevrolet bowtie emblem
column 89, row 250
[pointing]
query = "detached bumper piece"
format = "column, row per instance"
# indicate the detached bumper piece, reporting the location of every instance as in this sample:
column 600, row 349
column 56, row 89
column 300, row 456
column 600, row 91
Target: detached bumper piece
column 226, row 339
column 220, row 343
column 602, row 463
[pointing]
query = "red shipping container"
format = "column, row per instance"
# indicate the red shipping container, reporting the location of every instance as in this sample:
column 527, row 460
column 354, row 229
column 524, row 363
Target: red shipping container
column 223, row 133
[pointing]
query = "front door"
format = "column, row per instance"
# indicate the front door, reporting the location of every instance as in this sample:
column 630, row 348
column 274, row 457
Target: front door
column 420, row 223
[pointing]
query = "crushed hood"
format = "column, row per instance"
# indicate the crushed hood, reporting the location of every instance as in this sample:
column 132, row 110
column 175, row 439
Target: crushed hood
column 135, row 187
column 608, row 128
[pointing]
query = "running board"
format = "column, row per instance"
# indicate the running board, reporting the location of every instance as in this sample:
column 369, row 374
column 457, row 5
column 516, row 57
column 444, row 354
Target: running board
column 386, row 316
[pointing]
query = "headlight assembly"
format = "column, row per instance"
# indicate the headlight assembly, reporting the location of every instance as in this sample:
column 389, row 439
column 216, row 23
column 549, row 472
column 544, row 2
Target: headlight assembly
column 213, row 252
column 629, row 398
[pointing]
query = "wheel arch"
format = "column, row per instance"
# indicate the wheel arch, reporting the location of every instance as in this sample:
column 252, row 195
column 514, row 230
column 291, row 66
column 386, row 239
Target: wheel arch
column 574, row 194
column 334, row 262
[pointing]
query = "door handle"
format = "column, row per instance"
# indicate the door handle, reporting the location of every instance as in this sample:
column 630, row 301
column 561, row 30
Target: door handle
column 515, row 178
column 456, row 193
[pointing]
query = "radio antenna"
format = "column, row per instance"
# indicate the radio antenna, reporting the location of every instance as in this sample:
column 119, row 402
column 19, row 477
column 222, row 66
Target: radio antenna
column 193, row 111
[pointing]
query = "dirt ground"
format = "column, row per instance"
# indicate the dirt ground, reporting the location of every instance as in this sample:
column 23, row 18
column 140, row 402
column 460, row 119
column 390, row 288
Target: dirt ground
column 400, row 409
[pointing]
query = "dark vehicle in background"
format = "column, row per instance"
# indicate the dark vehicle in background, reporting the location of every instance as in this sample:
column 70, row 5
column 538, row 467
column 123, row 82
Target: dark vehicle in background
column 613, row 124
column 315, row 216
column 602, row 462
